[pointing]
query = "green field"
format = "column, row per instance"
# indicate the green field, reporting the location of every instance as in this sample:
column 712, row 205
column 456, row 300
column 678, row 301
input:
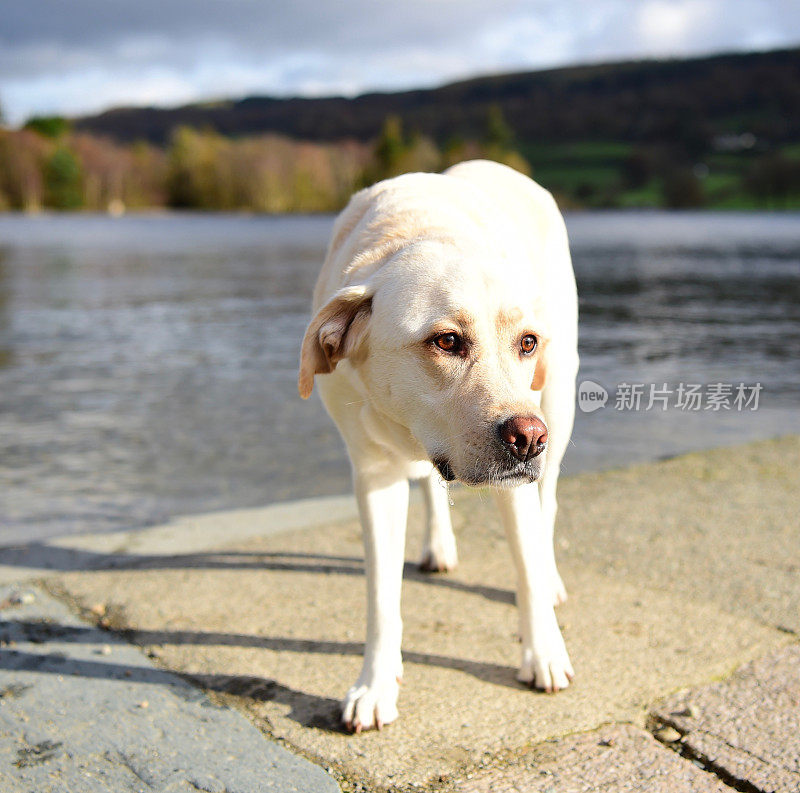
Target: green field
column 616, row 174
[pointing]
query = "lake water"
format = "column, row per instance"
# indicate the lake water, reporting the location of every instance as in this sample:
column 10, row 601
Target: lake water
column 148, row 364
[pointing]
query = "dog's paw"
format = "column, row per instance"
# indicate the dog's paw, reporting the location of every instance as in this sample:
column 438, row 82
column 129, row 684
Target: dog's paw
column 432, row 562
column 439, row 558
column 368, row 706
column 546, row 666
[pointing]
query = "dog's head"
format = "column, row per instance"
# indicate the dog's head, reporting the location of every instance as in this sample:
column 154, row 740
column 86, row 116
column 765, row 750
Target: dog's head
column 450, row 342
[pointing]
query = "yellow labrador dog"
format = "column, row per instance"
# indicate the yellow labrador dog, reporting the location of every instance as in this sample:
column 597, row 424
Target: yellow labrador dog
column 445, row 328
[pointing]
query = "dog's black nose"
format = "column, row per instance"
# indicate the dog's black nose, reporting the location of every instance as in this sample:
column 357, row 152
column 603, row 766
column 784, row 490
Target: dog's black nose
column 523, row 436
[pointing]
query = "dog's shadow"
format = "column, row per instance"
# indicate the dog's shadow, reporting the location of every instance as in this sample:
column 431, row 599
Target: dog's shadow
column 64, row 559
column 306, row 709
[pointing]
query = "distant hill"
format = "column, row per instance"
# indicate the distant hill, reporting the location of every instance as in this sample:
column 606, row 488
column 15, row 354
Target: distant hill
column 686, row 102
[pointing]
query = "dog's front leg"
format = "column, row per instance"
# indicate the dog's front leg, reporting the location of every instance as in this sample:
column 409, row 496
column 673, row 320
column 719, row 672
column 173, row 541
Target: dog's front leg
column 545, row 663
column 383, row 507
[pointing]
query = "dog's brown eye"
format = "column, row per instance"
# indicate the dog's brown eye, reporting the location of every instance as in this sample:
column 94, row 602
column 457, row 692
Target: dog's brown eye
column 528, row 344
column 449, row 342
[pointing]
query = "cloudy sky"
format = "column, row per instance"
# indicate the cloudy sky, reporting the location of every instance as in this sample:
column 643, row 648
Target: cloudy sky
column 77, row 56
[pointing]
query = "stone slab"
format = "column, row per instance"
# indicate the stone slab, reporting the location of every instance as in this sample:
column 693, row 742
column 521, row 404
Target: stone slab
column 747, row 727
column 81, row 710
column 278, row 623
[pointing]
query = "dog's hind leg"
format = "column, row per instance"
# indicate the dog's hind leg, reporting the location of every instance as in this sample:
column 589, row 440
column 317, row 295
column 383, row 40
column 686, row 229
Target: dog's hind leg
column 439, row 550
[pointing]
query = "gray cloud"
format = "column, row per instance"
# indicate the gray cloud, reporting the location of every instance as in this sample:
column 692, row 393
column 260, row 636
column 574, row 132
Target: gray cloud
column 83, row 55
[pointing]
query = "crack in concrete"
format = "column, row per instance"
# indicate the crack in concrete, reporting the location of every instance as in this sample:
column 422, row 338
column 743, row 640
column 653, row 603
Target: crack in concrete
column 722, row 773
column 703, row 761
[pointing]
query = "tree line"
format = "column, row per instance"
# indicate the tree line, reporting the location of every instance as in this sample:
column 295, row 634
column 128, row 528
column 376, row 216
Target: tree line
column 48, row 165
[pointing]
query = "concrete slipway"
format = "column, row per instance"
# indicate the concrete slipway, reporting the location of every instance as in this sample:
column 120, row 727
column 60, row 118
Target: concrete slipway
column 210, row 654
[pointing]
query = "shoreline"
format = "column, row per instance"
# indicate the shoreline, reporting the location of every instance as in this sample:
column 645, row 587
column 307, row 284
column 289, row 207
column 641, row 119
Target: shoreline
column 166, row 212
column 202, row 531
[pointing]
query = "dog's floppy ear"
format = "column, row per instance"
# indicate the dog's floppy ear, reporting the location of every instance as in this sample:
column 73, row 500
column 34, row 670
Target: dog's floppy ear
column 540, row 372
column 334, row 333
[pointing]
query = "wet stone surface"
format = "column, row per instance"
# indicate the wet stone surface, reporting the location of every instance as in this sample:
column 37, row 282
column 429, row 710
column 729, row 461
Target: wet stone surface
column 82, row 711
